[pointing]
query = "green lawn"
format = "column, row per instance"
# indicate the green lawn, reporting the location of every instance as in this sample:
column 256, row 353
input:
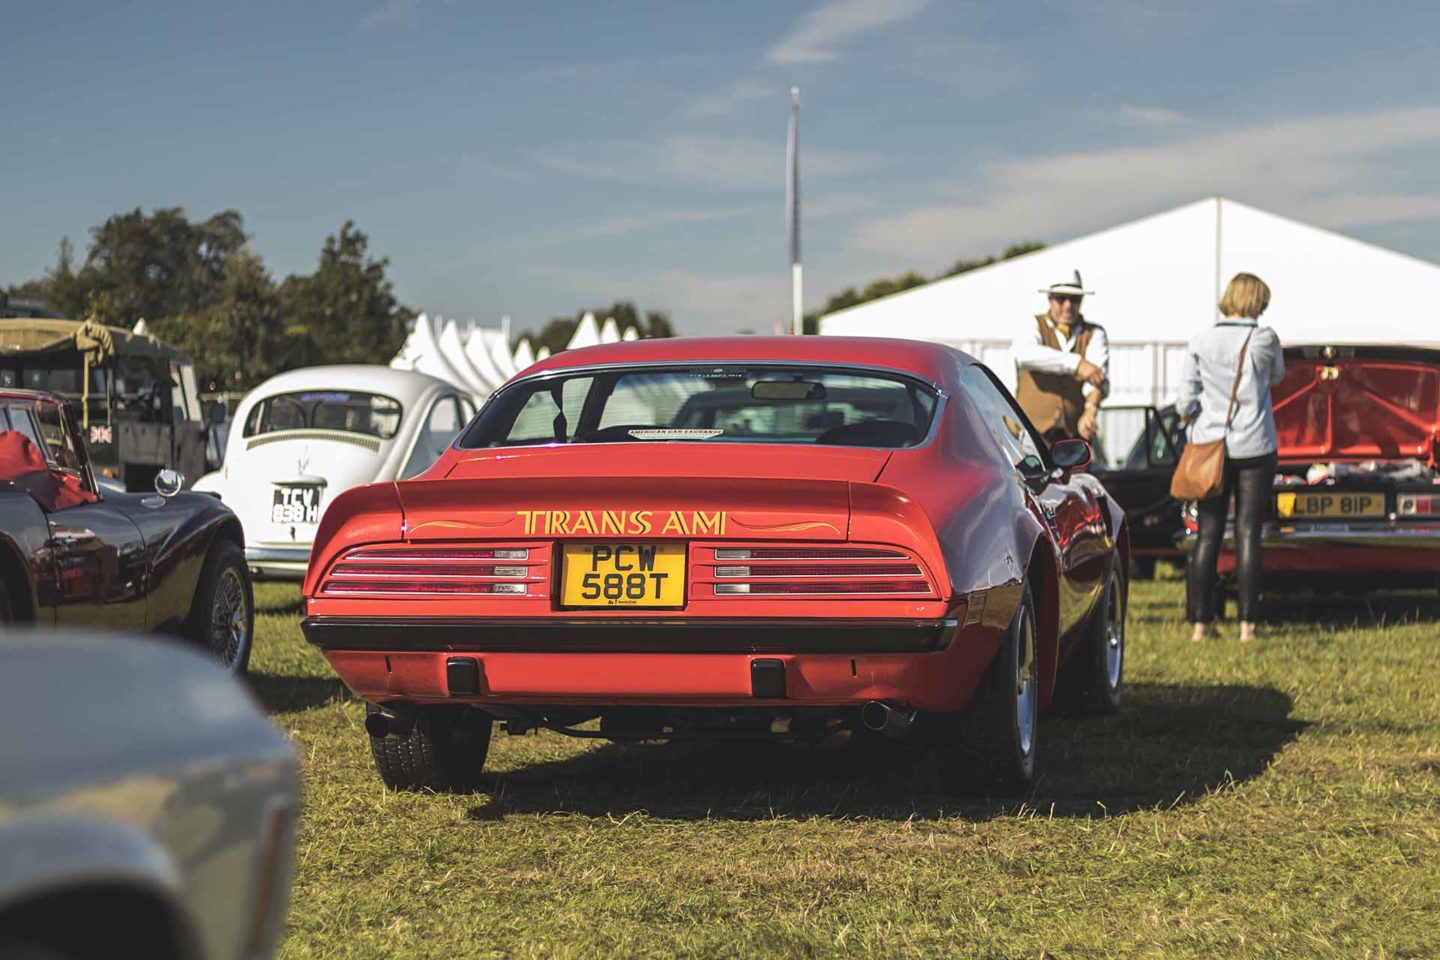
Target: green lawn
column 1275, row 800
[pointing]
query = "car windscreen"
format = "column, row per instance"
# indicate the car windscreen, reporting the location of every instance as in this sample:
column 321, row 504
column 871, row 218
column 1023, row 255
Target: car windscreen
column 712, row 404
column 367, row 413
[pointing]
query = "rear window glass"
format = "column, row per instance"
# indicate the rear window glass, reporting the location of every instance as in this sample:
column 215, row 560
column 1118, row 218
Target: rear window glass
column 711, row 404
column 368, row 413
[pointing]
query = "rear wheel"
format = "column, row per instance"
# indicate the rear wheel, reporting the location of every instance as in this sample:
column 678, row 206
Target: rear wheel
column 222, row 616
column 444, row 751
column 1090, row 682
column 7, row 612
column 992, row 746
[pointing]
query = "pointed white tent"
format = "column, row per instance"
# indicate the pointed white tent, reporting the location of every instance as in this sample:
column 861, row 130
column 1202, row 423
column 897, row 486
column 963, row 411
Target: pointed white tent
column 141, row 328
column 587, row 333
column 499, row 342
column 630, row 334
column 477, row 351
column 524, row 355
column 542, row 354
column 453, row 349
column 1157, row 281
column 609, row 331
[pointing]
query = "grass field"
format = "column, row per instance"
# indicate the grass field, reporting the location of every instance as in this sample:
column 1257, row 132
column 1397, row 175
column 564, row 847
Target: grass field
column 1266, row 801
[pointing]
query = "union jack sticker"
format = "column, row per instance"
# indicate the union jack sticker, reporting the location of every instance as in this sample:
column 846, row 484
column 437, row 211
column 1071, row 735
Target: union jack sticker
column 102, row 433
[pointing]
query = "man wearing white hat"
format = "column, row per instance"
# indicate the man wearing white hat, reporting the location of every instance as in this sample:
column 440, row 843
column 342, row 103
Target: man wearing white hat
column 1062, row 366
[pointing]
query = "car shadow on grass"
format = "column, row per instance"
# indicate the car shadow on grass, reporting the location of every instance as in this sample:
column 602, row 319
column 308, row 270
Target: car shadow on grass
column 1169, row 745
column 282, row 694
column 1338, row 610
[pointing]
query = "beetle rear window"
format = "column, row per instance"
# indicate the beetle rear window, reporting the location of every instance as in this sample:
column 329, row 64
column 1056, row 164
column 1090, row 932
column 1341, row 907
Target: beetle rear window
column 370, row 414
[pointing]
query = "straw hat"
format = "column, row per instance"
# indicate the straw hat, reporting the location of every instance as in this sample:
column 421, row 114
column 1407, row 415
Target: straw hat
column 1068, row 288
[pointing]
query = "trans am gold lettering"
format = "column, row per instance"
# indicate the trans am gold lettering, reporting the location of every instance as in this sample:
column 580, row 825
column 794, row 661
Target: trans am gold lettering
column 622, row 523
column 712, row 523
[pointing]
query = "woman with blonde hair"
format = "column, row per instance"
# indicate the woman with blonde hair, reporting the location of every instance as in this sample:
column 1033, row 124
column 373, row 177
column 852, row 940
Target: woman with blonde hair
column 1225, row 394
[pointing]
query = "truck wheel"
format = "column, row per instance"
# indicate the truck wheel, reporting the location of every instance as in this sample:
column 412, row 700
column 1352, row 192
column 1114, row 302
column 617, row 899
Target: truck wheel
column 1090, row 681
column 444, row 751
column 993, row 745
column 222, row 616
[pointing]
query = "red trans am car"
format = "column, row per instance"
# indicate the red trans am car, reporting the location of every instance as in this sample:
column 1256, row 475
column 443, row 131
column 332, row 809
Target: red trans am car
column 729, row 537
column 1357, row 492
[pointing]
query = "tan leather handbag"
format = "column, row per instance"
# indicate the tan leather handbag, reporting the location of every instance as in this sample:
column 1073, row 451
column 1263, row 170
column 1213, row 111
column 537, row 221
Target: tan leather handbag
column 1200, row 474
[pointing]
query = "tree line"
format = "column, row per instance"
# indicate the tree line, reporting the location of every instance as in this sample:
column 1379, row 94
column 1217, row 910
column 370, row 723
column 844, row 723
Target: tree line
column 202, row 287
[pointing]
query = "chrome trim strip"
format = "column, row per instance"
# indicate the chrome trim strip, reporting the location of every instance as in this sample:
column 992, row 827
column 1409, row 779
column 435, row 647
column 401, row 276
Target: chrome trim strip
column 277, row 554
column 1410, row 536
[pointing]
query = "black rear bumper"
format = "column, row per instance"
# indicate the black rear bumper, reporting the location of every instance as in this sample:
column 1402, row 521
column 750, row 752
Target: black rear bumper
column 630, row 636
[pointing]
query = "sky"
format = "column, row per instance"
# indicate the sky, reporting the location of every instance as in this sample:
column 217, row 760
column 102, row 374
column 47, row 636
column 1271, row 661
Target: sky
column 532, row 158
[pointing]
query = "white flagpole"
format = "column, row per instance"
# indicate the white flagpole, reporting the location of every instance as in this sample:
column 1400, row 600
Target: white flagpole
column 792, row 211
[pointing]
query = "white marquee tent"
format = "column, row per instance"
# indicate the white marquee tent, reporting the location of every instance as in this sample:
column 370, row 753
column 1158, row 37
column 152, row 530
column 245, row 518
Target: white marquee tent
column 1156, row 282
column 479, row 359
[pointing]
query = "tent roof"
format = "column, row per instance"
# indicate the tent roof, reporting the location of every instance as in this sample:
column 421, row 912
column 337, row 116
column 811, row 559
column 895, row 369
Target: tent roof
column 1158, row 279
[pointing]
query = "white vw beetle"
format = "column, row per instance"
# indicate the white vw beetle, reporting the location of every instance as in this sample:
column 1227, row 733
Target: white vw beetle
column 302, row 437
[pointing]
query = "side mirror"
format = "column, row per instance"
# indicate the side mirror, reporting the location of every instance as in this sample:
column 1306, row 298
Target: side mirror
column 169, row 482
column 1070, row 454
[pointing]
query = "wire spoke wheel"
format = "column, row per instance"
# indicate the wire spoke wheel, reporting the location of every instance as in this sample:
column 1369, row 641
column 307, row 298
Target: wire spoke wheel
column 229, row 618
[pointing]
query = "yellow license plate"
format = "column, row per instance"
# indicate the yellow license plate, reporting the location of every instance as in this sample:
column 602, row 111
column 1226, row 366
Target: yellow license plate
column 1331, row 505
column 623, row 575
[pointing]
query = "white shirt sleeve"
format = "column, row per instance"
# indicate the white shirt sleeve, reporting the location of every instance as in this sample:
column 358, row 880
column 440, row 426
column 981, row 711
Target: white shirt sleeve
column 1276, row 358
column 1030, row 353
column 1187, row 397
column 1097, row 351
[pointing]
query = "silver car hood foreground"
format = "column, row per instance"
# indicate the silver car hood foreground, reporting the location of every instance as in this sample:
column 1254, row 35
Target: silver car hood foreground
column 138, row 764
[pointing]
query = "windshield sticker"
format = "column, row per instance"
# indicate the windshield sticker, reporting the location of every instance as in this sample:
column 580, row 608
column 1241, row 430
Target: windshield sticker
column 623, row 523
column 675, row 433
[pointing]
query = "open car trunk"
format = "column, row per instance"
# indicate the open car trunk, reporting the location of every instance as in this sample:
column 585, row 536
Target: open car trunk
column 1359, row 403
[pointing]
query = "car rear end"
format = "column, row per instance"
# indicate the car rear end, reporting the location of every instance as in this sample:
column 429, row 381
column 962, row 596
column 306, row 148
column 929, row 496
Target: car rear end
column 1357, row 492
column 299, row 449
column 670, row 586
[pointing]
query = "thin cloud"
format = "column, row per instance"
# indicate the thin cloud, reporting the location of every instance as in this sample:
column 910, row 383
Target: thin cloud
column 628, row 223
column 391, row 13
column 1320, row 168
column 731, row 98
column 823, row 31
column 717, row 161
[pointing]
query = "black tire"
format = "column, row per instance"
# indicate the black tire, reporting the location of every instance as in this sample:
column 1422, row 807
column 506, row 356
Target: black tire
column 993, row 746
column 444, row 751
column 7, row 612
column 222, row 615
column 1091, row 681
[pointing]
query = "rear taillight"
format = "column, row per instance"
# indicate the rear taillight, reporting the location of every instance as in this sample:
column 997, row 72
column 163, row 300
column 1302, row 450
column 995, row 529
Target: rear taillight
column 440, row 570
column 813, row 571
column 1418, row 505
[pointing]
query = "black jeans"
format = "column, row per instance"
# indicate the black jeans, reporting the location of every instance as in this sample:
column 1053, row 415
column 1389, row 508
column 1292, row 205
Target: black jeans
column 1252, row 481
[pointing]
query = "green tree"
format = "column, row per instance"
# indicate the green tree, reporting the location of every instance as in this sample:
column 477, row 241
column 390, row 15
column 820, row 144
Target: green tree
column 556, row 334
column 151, row 266
column 346, row 311
column 850, row 297
column 240, row 339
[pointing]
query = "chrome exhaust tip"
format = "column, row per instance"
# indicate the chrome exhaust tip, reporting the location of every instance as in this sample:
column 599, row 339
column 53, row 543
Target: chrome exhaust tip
column 882, row 718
